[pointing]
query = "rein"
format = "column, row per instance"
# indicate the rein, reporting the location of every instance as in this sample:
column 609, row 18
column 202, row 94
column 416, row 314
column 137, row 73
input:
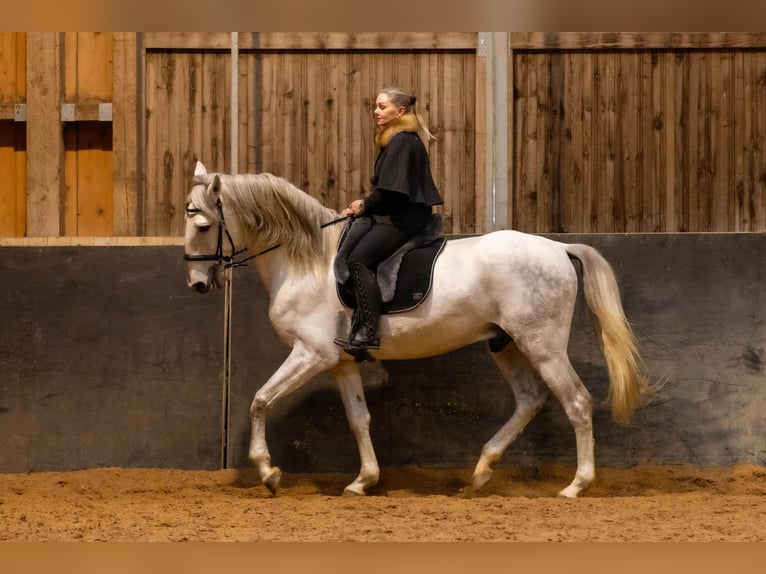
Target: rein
column 228, row 261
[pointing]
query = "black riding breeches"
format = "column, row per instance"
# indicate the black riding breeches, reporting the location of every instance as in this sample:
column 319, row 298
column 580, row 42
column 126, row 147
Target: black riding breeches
column 380, row 242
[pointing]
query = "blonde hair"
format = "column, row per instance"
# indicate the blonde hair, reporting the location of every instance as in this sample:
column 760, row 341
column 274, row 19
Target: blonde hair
column 402, row 99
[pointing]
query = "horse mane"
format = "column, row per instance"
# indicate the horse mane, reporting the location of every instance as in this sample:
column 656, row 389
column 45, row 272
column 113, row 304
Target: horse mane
column 272, row 211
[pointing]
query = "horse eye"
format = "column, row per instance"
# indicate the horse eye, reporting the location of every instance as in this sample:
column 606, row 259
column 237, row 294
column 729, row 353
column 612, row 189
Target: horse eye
column 203, row 228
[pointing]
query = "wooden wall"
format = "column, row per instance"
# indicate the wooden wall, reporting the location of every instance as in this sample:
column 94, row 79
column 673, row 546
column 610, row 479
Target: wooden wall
column 606, row 132
column 639, row 133
column 305, row 113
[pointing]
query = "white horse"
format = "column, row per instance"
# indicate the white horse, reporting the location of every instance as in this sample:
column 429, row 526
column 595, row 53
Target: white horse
column 514, row 290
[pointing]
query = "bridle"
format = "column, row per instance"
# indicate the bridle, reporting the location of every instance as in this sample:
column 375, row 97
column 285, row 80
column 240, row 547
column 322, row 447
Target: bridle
column 228, row 261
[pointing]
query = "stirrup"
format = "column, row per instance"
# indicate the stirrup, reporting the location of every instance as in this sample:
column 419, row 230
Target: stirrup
column 372, row 344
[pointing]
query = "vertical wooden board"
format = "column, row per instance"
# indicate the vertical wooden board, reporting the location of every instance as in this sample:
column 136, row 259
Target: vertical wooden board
column 724, row 190
column 291, row 138
column 474, row 208
column 627, row 130
column 12, row 179
column 693, row 104
column 525, row 201
column 125, row 126
column 44, row 140
column 681, row 163
column 671, row 220
column 178, row 115
column 609, row 142
column 12, row 67
column 88, row 66
column 742, row 97
column 717, row 218
column 481, row 144
column 572, row 200
column 243, row 116
column 70, row 179
column 155, row 113
column 88, row 168
column 332, row 113
column 759, row 160
column 650, row 190
column 589, row 216
column 449, row 143
column 346, row 77
column 70, row 75
column 549, row 96
column 660, row 125
column 264, row 115
column 314, row 90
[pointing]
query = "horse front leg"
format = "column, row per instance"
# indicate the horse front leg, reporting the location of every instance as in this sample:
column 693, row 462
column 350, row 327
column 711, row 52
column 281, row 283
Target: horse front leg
column 349, row 383
column 299, row 367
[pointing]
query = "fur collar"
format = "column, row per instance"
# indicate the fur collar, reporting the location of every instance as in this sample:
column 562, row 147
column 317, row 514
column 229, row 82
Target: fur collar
column 406, row 123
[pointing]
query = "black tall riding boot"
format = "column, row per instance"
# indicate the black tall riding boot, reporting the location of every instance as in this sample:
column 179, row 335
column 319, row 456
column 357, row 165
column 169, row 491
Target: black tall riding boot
column 364, row 323
column 369, row 305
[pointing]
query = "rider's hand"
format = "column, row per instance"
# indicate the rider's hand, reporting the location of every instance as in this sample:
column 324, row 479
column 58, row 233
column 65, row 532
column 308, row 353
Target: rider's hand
column 355, row 209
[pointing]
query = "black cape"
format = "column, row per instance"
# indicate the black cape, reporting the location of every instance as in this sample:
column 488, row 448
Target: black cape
column 403, row 166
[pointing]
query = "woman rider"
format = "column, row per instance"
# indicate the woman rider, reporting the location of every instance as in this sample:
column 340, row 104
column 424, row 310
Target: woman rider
column 403, row 192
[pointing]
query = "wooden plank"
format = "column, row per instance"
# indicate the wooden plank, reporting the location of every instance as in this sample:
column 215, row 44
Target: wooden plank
column 529, row 186
column 12, row 134
column 481, row 143
column 723, row 207
column 12, row 68
column 636, row 41
column 608, row 105
column 154, row 113
column 656, row 130
column 88, row 68
column 125, row 129
column 649, row 190
column 12, row 179
column 759, row 141
column 692, row 168
column 88, row 206
column 543, row 139
column 403, row 41
column 44, row 140
column 572, row 203
column 589, row 216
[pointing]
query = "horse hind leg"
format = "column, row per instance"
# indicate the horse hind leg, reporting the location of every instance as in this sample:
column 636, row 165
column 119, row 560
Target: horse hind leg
column 565, row 384
column 530, row 395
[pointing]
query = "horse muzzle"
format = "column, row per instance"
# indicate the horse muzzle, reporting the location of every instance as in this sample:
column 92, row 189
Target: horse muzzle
column 202, row 281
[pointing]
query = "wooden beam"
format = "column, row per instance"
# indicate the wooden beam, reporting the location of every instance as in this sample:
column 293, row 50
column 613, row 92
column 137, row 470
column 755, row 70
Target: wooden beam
column 312, row 41
column 125, row 133
column 635, row 41
column 44, row 134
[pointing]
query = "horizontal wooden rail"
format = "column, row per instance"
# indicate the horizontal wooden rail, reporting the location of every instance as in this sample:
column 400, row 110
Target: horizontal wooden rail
column 312, row 41
column 133, row 241
column 636, row 41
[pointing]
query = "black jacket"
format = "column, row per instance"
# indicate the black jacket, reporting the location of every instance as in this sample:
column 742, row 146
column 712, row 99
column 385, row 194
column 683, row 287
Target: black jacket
column 403, row 187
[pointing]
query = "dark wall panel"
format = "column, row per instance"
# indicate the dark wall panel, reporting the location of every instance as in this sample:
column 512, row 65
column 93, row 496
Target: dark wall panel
column 106, row 360
column 697, row 305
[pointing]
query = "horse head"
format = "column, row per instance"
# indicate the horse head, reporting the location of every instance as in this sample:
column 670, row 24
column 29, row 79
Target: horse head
column 203, row 236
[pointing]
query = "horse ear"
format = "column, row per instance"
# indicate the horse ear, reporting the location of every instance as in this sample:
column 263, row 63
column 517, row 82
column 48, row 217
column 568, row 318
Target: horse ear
column 199, row 168
column 216, row 185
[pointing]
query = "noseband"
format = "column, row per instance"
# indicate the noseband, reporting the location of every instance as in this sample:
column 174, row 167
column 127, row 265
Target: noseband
column 225, row 260
column 228, row 260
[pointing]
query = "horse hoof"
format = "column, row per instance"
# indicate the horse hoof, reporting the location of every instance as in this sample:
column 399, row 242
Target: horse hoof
column 479, row 480
column 272, row 481
column 354, row 490
column 567, row 494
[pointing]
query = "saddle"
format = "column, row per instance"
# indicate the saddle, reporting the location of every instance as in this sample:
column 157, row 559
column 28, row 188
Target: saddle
column 405, row 277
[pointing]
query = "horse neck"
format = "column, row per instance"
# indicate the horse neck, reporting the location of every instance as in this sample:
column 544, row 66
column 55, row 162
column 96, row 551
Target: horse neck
column 279, row 273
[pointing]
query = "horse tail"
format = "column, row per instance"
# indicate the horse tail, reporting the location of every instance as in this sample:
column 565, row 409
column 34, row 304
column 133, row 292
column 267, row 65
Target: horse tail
column 628, row 388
